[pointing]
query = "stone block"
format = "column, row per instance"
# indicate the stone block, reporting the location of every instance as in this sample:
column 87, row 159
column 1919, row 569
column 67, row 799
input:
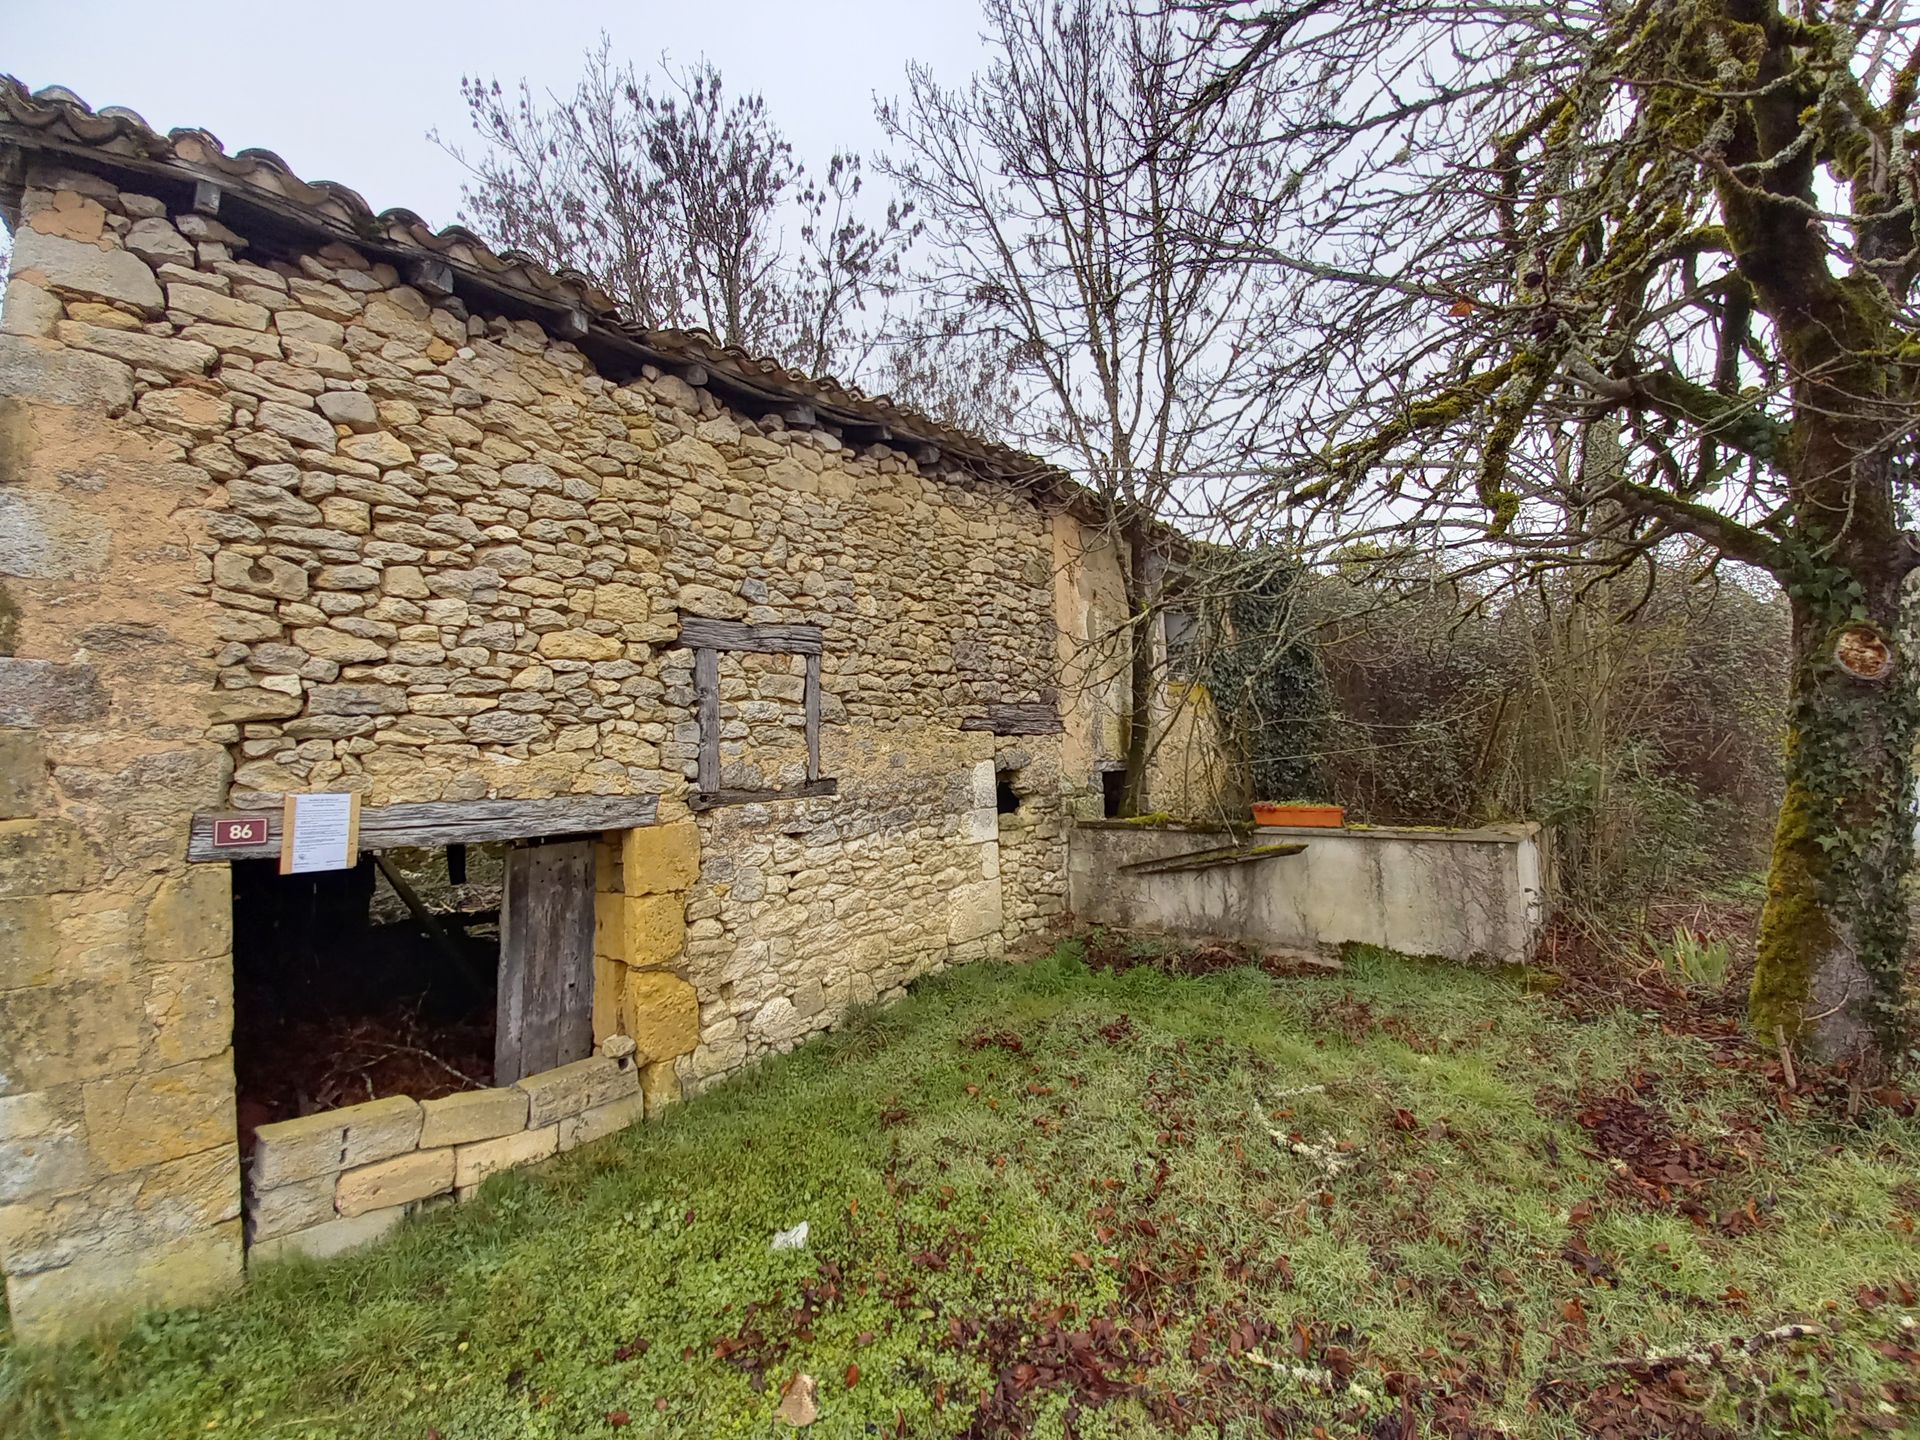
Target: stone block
column 239, row 707
column 663, row 1014
column 45, row 536
column 23, row 774
column 648, row 930
column 555, row 1094
column 474, row 1163
column 609, row 985
column 656, row 859
column 43, row 694
column 65, row 1304
column 398, row 1181
column 267, row 575
column 338, row 1236
column 622, row 603
column 44, row 857
column 139, row 349
column 122, row 1212
column 191, row 916
column 472, row 1115
column 581, row 645
column 74, row 267
column 60, row 1033
column 202, row 303
column 659, row 1086
column 602, row 1120
column 282, row 1209
column 189, row 1009
column 334, row 1140
column 303, row 427
column 32, row 369
column 29, row 310
column 974, row 911
column 154, row 1116
column 191, row 411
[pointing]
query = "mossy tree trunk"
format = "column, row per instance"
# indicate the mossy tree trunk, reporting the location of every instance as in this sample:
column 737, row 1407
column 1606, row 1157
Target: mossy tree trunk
column 1137, row 723
column 1834, row 932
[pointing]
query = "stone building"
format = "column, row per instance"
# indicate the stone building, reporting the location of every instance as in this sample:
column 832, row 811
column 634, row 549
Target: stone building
column 778, row 696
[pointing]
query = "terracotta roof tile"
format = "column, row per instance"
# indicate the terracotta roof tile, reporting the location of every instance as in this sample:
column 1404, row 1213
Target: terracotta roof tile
column 55, row 120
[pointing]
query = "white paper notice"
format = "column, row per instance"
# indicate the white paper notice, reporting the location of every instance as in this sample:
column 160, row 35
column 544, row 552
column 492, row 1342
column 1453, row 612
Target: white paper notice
column 320, row 832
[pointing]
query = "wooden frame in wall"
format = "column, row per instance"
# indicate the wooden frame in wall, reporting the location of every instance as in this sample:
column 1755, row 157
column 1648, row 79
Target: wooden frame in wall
column 707, row 638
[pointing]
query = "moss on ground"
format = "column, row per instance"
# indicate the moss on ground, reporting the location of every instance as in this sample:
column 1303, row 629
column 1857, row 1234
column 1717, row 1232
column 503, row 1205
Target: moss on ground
column 1052, row 1202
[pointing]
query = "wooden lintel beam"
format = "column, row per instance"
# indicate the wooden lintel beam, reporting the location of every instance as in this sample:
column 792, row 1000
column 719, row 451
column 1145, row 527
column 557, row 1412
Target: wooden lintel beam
column 449, row 822
column 701, row 633
column 572, row 324
column 1040, row 718
column 714, row 799
column 206, row 198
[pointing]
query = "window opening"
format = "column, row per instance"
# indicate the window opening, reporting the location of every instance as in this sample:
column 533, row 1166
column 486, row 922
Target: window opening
column 1113, row 793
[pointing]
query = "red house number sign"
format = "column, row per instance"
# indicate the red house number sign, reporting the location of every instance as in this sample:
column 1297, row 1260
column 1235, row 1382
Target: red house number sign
column 240, row 831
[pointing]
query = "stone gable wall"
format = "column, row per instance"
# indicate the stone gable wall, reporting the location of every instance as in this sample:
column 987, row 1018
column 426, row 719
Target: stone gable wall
column 272, row 519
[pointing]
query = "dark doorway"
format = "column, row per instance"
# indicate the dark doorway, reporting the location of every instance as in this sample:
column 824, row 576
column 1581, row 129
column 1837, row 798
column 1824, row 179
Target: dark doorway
column 353, row 985
column 1113, row 793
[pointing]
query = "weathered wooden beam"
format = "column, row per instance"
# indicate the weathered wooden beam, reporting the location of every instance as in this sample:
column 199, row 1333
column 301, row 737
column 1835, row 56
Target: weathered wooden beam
column 433, row 276
column 1213, row 858
column 572, row 324
column 1039, row 718
column 713, row 799
column 701, row 633
column 446, row 822
column 803, row 417
column 706, row 690
column 812, row 702
column 206, row 198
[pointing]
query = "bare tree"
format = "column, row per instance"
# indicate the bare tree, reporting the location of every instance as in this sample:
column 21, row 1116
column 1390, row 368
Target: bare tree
column 675, row 204
column 1690, row 222
column 1074, row 221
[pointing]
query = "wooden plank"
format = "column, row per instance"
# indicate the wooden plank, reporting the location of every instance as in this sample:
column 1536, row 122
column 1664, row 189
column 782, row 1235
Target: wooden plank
column 713, row 799
column 706, row 689
column 448, row 822
column 700, row 632
column 813, row 717
column 1212, row 859
column 545, row 995
column 1035, row 718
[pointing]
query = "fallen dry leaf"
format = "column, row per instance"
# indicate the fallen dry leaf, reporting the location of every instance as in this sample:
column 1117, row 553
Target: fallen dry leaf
column 796, row 1402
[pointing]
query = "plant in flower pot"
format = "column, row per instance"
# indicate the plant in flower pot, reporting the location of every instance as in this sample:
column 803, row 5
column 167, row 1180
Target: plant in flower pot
column 1317, row 814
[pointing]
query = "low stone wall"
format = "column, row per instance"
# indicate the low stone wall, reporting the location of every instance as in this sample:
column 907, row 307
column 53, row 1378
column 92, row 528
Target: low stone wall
column 330, row 1182
column 1475, row 896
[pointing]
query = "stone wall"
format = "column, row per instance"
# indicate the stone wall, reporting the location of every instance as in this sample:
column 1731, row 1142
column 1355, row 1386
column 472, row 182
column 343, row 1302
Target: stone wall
column 272, row 519
column 331, row 1182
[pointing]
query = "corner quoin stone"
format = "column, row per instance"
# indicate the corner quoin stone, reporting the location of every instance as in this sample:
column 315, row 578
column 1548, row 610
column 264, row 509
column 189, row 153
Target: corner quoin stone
column 659, row 859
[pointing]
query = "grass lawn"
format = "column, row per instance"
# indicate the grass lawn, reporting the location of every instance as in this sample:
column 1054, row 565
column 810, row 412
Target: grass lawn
column 1052, row 1200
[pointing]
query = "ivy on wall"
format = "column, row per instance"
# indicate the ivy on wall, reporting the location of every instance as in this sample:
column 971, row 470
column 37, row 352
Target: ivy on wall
column 1264, row 678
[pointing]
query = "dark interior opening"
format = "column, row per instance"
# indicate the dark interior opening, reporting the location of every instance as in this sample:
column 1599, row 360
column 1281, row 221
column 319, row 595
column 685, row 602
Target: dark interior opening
column 1113, row 792
column 1005, row 798
column 344, row 993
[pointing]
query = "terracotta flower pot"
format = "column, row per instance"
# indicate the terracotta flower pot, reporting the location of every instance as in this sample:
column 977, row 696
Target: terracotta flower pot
column 1325, row 817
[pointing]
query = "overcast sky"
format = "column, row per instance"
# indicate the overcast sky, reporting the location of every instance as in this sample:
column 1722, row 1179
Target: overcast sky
column 347, row 91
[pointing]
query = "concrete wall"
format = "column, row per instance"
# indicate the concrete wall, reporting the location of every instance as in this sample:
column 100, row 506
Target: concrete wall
column 1477, row 896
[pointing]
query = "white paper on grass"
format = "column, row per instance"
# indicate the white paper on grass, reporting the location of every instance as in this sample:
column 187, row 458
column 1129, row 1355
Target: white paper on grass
column 794, row 1239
